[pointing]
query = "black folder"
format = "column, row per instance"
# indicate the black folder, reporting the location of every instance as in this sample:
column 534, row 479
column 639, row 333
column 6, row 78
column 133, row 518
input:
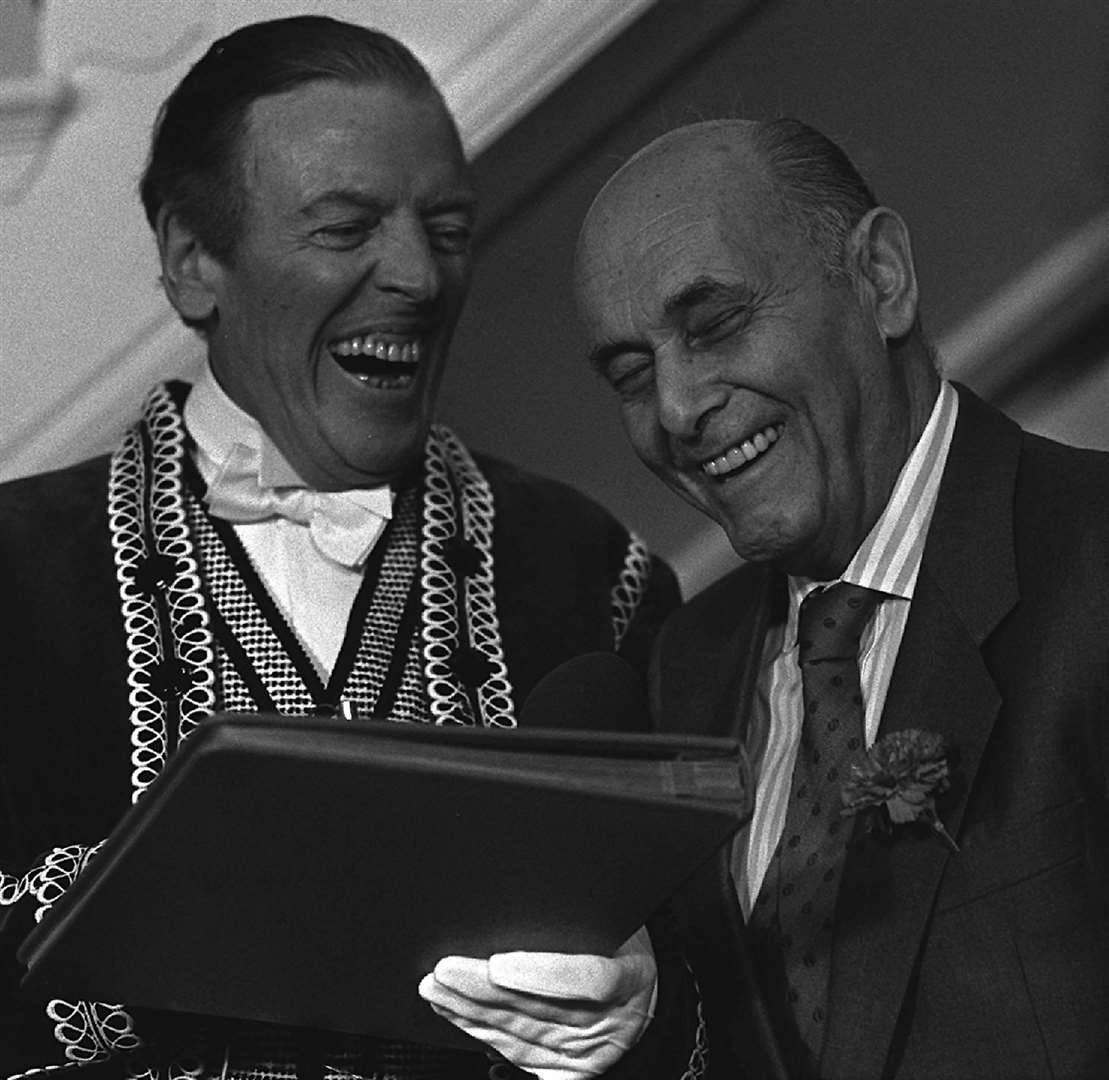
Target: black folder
column 309, row 871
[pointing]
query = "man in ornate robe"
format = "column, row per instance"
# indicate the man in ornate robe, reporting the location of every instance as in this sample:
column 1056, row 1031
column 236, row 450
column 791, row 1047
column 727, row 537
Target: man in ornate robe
column 292, row 534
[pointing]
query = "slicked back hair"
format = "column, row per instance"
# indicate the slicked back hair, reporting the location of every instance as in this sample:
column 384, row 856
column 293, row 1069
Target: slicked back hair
column 195, row 162
column 820, row 189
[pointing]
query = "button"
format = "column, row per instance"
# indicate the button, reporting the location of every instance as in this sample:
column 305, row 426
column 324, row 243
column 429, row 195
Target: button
column 471, row 666
column 154, row 572
column 462, row 556
column 171, row 678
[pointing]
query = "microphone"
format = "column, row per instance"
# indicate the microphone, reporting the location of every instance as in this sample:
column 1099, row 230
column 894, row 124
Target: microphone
column 599, row 691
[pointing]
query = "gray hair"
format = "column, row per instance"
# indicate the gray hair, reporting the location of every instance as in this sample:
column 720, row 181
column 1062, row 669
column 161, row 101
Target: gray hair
column 819, row 188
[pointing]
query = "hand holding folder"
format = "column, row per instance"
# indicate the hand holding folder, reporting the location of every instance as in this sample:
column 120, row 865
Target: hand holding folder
column 560, row 1016
column 309, row 871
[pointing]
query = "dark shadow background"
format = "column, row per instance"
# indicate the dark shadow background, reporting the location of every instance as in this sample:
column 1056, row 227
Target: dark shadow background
column 985, row 123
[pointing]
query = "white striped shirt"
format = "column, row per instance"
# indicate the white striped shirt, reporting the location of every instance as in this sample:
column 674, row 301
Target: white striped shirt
column 888, row 561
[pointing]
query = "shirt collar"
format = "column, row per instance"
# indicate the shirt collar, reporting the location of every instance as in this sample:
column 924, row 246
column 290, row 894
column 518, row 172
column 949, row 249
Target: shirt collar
column 888, row 560
column 222, row 431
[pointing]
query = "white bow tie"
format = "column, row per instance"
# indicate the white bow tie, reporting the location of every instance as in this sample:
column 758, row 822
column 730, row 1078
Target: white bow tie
column 344, row 525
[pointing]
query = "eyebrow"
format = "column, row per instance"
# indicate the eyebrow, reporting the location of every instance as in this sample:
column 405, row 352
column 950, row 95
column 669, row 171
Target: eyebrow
column 461, row 201
column 705, row 289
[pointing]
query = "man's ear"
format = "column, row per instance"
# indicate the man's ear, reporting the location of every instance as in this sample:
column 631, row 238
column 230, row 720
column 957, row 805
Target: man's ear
column 882, row 260
column 190, row 276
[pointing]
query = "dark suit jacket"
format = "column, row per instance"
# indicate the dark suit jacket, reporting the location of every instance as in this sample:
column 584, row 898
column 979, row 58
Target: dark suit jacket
column 992, row 962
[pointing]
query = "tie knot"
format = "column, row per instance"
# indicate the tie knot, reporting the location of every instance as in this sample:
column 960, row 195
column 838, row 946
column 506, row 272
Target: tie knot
column 831, row 621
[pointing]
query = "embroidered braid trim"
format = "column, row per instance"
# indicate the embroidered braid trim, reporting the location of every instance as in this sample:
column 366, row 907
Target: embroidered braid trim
column 89, row 1031
column 140, row 616
column 12, row 888
column 446, row 459
column 44, row 1070
column 167, row 629
column 449, row 465
column 627, row 593
column 439, row 619
column 139, row 1067
column 47, row 880
column 92, row 1031
column 189, row 643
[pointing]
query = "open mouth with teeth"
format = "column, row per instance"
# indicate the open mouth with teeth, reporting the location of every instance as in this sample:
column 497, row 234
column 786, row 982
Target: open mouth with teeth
column 381, row 362
column 742, row 454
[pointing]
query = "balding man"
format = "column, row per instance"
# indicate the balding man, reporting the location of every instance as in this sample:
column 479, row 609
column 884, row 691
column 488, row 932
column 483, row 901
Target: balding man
column 916, row 649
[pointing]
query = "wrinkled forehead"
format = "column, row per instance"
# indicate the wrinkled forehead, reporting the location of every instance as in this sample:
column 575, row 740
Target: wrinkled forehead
column 643, row 254
column 361, row 141
column 683, row 207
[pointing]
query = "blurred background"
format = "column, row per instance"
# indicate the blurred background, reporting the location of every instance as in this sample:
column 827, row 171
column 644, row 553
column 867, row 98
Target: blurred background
column 984, row 122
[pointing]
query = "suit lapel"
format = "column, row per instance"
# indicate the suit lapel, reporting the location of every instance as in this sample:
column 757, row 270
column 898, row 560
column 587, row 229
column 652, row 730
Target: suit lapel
column 940, row 683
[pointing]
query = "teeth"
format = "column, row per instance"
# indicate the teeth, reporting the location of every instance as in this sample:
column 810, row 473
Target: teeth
column 392, row 352
column 742, row 453
column 383, row 382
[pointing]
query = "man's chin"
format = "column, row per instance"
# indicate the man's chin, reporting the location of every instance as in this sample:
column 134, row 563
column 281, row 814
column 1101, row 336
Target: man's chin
column 753, row 546
column 362, row 469
column 340, row 465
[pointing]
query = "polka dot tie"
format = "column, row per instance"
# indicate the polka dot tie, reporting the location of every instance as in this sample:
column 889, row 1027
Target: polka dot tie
column 795, row 907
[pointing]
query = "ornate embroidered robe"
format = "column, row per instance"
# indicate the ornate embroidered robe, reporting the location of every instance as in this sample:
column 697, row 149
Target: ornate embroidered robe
column 131, row 615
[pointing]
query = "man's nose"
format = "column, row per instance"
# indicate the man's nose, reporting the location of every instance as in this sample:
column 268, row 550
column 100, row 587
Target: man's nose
column 687, row 395
column 406, row 263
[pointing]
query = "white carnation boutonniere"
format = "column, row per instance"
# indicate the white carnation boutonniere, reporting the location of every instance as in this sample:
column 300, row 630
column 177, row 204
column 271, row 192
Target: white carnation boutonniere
column 900, row 778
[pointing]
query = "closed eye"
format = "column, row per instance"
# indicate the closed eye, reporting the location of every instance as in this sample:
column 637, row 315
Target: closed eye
column 344, row 235
column 629, row 374
column 450, row 238
column 702, row 330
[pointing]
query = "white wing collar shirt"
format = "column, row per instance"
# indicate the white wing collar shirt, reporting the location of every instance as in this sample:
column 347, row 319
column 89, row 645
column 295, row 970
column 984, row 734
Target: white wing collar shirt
column 888, row 561
column 308, row 547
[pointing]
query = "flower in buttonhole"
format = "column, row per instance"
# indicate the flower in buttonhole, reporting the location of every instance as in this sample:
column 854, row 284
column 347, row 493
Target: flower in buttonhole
column 899, row 780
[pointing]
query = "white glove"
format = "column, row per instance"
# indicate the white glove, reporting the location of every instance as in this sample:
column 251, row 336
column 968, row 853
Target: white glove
column 560, row 1016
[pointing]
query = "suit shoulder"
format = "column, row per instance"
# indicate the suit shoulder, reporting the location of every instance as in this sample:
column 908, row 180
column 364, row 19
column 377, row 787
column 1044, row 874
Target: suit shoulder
column 1059, row 484
column 543, row 524
column 52, row 499
column 1068, row 467
column 532, row 499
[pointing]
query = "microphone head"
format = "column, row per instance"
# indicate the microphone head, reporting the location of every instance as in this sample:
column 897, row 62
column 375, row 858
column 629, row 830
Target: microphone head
column 598, row 691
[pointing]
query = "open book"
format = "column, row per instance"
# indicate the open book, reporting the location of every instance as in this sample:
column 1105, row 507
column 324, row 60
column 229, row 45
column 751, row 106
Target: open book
column 309, row 871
